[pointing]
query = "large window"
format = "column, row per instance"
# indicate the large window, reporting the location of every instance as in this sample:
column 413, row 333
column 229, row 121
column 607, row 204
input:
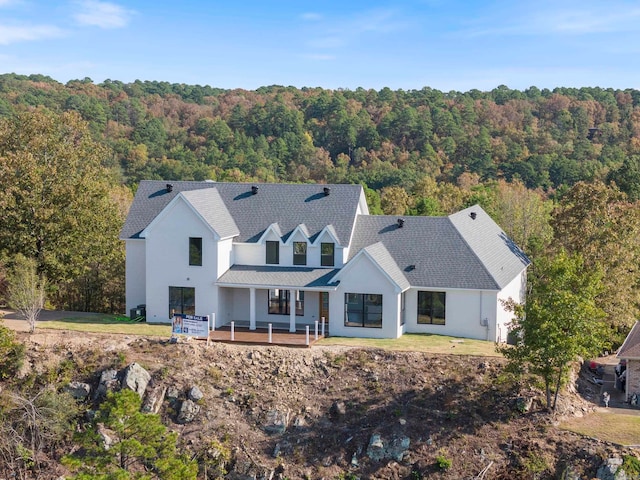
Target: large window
column 299, row 253
column 431, row 307
column 279, row 302
column 182, row 300
column 362, row 310
column 195, row 251
column 327, row 254
column 273, row 253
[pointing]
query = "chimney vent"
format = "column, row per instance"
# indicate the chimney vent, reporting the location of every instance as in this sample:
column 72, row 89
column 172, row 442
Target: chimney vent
column 254, row 190
column 473, row 215
column 326, row 191
column 400, row 222
column 169, row 188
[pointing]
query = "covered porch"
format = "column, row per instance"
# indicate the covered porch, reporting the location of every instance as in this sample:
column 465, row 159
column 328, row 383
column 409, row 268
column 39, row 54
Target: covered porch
column 290, row 299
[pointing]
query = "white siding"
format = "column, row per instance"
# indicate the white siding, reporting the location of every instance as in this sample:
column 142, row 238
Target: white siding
column 465, row 313
column 167, row 262
column 516, row 290
column 135, row 274
column 365, row 277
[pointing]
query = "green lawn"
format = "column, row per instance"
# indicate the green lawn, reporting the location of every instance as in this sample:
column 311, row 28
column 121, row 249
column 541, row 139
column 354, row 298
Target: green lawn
column 623, row 429
column 420, row 343
column 106, row 324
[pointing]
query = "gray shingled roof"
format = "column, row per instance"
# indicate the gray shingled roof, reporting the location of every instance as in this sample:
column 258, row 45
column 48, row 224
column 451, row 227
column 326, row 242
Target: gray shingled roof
column 278, row 277
column 288, row 205
column 210, row 206
column 631, row 346
column 444, row 252
column 384, row 259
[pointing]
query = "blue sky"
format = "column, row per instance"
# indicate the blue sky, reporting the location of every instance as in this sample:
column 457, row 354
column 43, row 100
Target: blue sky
column 442, row 44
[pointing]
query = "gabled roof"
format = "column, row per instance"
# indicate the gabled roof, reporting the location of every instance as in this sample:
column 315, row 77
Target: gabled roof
column 288, row 205
column 302, row 229
column 381, row 257
column 329, row 230
column 631, row 347
column 445, row 252
column 274, row 228
column 211, row 208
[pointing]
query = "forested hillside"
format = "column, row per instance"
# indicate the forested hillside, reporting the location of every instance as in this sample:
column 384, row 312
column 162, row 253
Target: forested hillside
column 380, row 138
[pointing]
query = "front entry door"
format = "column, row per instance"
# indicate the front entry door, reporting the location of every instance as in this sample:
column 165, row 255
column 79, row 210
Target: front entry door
column 324, row 308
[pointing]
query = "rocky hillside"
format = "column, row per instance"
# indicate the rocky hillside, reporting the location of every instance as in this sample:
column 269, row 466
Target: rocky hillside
column 326, row 412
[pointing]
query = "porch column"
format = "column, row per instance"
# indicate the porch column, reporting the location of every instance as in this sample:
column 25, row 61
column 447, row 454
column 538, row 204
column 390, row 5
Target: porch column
column 252, row 308
column 292, row 310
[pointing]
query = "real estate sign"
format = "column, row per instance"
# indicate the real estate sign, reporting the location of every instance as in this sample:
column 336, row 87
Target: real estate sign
column 191, row 325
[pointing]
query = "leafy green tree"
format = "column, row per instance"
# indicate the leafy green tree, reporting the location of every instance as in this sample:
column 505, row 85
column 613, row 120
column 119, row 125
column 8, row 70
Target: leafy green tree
column 56, row 197
column 139, row 445
column 558, row 324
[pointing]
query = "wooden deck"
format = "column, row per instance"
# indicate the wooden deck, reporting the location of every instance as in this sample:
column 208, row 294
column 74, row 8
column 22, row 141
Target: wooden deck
column 260, row 336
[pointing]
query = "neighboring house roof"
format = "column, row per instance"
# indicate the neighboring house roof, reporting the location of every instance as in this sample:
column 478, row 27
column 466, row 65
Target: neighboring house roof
column 278, row 277
column 631, row 347
column 445, row 252
column 288, row 205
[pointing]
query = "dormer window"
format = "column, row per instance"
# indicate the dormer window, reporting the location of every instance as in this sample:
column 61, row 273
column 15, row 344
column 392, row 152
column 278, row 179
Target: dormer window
column 273, row 253
column 299, row 253
column 327, row 254
column 195, row 251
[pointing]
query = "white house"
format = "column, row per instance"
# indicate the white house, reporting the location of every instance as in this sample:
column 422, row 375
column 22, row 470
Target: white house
column 291, row 254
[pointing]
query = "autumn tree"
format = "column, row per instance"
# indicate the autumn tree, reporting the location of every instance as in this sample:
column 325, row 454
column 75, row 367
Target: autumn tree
column 55, row 197
column 598, row 223
column 559, row 323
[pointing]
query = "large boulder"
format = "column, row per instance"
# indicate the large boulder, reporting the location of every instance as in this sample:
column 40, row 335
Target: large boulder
column 188, row 412
column 277, row 422
column 195, row 394
column 78, row 390
column 108, row 383
column 136, row 378
column 153, row 400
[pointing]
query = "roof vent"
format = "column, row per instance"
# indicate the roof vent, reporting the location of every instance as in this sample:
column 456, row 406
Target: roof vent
column 473, row 215
column 169, row 188
column 254, row 190
column 411, row 268
column 326, row 191
column 400, row 222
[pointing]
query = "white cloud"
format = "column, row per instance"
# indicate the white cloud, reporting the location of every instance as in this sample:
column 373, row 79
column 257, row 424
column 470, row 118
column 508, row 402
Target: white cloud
column 102, row 14
column 11, row 34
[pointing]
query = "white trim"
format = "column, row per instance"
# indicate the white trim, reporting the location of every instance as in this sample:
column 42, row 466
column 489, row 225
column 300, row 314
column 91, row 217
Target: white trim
column 332, row 288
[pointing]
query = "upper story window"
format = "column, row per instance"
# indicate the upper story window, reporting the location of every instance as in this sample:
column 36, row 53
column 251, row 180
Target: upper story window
column 299, row 253
column 327, row 254
column 431, row 307
column 195, row 251
column 273, row 253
